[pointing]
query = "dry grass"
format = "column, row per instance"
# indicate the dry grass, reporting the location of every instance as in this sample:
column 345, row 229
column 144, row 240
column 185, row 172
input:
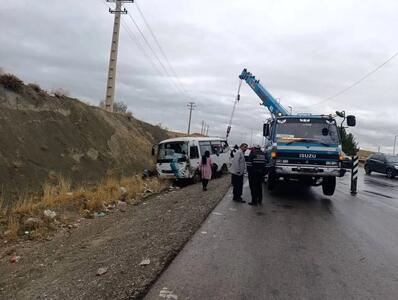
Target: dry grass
column 13, row 228
column 57, row 196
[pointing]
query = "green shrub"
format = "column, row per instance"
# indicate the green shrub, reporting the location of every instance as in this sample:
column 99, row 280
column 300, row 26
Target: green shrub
column 11, row 83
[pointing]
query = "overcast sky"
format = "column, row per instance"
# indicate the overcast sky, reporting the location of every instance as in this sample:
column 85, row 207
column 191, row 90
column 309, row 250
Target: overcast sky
column 302, row 51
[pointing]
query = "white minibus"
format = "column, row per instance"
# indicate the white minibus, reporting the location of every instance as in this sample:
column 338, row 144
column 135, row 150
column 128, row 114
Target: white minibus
column 180, row 157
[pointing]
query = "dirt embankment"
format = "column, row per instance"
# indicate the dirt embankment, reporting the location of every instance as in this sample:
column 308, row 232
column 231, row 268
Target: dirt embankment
column 43, row 136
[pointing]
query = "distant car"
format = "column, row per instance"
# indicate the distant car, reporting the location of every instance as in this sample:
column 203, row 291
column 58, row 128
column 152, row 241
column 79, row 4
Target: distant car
column 382, row 163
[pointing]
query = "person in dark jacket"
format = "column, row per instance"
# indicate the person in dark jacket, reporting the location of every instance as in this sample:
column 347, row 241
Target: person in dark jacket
column 256, row 169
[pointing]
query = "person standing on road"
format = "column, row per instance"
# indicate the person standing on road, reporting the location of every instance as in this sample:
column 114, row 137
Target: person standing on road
column 238, row 168
column 205, row 169
column 256, row 166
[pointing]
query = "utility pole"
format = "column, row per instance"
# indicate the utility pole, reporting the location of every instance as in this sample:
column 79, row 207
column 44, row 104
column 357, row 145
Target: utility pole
column 191, row 107
column 110, row 86
column 207, row 129
column 203, row 127
column 395, row 141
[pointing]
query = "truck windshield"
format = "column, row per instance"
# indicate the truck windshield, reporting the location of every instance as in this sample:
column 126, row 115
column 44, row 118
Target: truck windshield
column 307, row 130
column 168, row 151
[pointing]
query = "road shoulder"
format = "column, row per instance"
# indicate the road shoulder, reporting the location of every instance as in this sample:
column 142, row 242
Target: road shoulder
column 67, row 266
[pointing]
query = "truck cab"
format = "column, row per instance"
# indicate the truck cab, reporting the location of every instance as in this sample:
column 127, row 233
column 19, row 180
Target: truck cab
column 305, row 148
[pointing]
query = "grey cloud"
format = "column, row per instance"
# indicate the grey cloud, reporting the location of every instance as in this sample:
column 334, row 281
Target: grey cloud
column 302, row 51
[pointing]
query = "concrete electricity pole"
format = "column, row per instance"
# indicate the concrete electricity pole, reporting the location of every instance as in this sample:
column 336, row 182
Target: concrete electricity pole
column 191, row 107
column 110, row 86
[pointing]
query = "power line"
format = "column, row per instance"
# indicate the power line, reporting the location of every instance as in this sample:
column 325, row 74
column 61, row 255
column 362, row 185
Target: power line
column 135, row 39
column 154, row 53
column 159, row 46
column 357, row 82
column 142, row 48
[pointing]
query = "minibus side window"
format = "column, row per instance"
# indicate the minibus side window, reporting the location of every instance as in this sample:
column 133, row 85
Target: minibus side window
column 204, row 146
column 193, row 152
column 216, row 147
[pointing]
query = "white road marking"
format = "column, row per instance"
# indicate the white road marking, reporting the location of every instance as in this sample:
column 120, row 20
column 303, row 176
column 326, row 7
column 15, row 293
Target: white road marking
column 165, row 293
column 217, row 213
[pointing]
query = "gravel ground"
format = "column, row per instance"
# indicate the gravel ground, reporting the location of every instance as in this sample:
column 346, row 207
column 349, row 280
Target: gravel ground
column 66, row 267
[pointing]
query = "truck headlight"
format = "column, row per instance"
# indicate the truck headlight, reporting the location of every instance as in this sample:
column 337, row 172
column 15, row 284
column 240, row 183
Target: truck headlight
column 396, row 167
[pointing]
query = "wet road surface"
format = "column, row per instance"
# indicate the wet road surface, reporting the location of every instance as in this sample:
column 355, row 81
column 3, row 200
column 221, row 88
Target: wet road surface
column 299, row 245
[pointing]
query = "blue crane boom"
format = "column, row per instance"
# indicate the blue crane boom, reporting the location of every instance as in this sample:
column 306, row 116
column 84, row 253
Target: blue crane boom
column 270, row 102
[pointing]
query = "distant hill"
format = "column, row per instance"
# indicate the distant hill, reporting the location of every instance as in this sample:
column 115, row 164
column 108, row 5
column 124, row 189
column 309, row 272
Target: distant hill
column 364, row 154
column 43, row 136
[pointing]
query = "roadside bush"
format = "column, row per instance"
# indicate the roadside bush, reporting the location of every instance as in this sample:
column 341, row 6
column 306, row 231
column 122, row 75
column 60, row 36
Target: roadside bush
column 118, row 107
column 35, row 87
column 11, row 83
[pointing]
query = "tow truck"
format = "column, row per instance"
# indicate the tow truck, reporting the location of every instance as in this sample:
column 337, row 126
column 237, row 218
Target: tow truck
column 300, row 147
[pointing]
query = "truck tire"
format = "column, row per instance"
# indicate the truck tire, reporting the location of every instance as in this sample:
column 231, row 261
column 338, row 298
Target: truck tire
column 367, row 170
column 329, row 185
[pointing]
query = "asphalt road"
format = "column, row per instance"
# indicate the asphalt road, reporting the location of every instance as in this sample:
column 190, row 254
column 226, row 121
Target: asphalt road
column 298, row 245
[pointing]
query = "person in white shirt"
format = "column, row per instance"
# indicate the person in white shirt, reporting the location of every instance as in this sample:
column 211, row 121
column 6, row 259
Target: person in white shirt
column 237, row 169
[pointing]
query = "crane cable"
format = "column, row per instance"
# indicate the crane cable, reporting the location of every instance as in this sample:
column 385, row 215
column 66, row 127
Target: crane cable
column 233, row 109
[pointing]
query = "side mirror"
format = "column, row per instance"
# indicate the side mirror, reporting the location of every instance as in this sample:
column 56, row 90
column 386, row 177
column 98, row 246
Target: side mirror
column 351, row 121
column 266, row 130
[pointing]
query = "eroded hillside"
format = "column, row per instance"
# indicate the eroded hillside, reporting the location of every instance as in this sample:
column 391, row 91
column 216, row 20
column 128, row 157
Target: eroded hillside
column 44, row 136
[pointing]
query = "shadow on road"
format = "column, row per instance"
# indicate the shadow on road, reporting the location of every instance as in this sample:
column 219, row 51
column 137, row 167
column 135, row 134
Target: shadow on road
column 292, row 195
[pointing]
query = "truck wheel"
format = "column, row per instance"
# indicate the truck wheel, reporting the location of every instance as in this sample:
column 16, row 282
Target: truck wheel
column 390, row 173
column 329, row 185
column 367, row 170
